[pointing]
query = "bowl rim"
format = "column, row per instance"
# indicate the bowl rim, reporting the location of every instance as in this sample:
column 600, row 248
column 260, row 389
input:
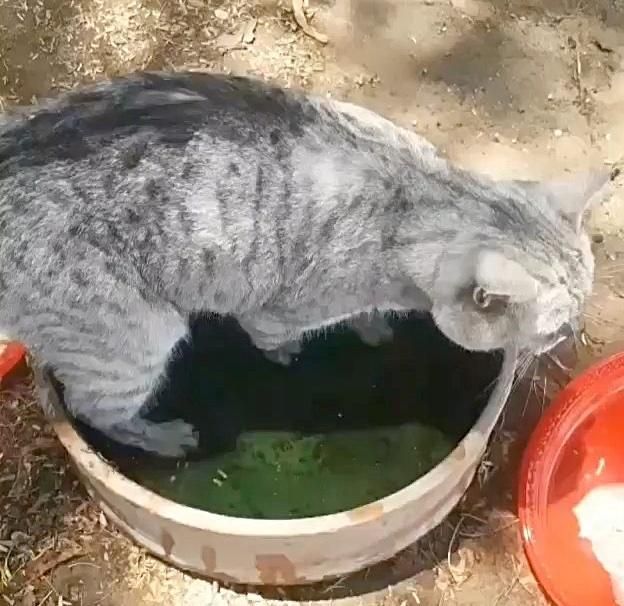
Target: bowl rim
column 95, row 467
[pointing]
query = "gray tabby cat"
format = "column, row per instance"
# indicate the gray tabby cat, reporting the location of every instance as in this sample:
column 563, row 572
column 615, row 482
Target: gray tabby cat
column 126, row 206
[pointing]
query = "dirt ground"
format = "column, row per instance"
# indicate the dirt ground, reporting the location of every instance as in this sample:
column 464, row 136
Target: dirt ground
column 522, row 88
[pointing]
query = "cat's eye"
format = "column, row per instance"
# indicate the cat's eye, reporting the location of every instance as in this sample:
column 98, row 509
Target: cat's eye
column 481, row 298
column 487, row 301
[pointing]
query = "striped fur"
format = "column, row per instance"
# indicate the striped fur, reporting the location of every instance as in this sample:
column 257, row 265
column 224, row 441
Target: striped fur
column 129, row 205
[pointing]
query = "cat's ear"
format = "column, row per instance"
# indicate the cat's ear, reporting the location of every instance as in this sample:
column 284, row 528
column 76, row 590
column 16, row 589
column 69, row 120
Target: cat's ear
column 573, row 195
column 499, row 276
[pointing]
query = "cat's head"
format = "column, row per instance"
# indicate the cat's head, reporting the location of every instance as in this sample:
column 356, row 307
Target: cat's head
column 527, row 286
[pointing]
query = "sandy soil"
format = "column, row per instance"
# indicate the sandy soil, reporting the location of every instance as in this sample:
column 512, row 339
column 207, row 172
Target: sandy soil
column 523, row 88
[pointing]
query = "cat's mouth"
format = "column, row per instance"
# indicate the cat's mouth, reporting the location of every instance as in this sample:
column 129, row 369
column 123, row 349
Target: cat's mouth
column 551, row 340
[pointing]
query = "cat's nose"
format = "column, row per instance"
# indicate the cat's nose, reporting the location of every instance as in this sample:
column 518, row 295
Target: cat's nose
column 565, row 332
column 568, row 330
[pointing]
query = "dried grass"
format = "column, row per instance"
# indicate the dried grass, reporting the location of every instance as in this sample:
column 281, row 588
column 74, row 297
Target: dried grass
column 37, row 493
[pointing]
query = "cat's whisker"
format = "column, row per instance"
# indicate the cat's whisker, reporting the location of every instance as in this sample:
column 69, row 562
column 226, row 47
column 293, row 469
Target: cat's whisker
column 611, row 267
column 559, row 364
column 541, row 377
column 522, row 369
column 489, row 386
column 577, row 334
column 603, row 321
column 524, row 365
column 610, row 275
column 530, row 390
column 519, row 364
column 593, row 304
column 544, row 393
column 563, row 374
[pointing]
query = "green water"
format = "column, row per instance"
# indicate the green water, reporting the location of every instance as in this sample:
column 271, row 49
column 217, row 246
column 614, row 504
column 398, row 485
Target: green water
column 284, row 475
column 343, row 425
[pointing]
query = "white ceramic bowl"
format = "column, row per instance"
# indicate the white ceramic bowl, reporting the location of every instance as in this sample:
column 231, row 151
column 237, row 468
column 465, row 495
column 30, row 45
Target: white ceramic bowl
column 280, row 551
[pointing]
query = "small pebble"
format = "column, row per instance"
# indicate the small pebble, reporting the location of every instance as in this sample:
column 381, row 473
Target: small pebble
column 558, row 132
column 221, row 14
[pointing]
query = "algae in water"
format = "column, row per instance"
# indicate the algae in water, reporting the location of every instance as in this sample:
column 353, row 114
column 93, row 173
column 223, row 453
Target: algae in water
column 285, row 475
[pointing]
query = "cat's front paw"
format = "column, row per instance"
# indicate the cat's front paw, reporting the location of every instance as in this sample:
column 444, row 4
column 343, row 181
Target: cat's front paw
column 168, row 439
column 284, row 353
column 372, row 329
column 172, row 438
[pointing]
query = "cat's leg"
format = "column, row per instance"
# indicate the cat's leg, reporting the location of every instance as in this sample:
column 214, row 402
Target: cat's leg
column 114, row 394
column 284, row 353
column 372, row 328
column 278, row 342
column 111, row 360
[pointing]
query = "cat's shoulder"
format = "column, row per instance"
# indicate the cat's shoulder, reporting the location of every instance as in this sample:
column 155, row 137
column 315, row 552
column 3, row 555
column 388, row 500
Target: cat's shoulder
column 370, row 124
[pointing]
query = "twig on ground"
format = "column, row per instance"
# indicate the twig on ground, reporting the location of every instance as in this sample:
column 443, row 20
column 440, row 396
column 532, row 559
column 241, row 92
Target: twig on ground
column 302, row 22
column 42, row 565
column 449, row 552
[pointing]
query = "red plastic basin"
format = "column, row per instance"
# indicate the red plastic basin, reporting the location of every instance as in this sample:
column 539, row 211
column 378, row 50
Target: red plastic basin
column 577, row 446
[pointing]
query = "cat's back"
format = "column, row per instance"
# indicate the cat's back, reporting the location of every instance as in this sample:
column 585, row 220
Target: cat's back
column 168, row 109
column 136, row 151
column 129, row 150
